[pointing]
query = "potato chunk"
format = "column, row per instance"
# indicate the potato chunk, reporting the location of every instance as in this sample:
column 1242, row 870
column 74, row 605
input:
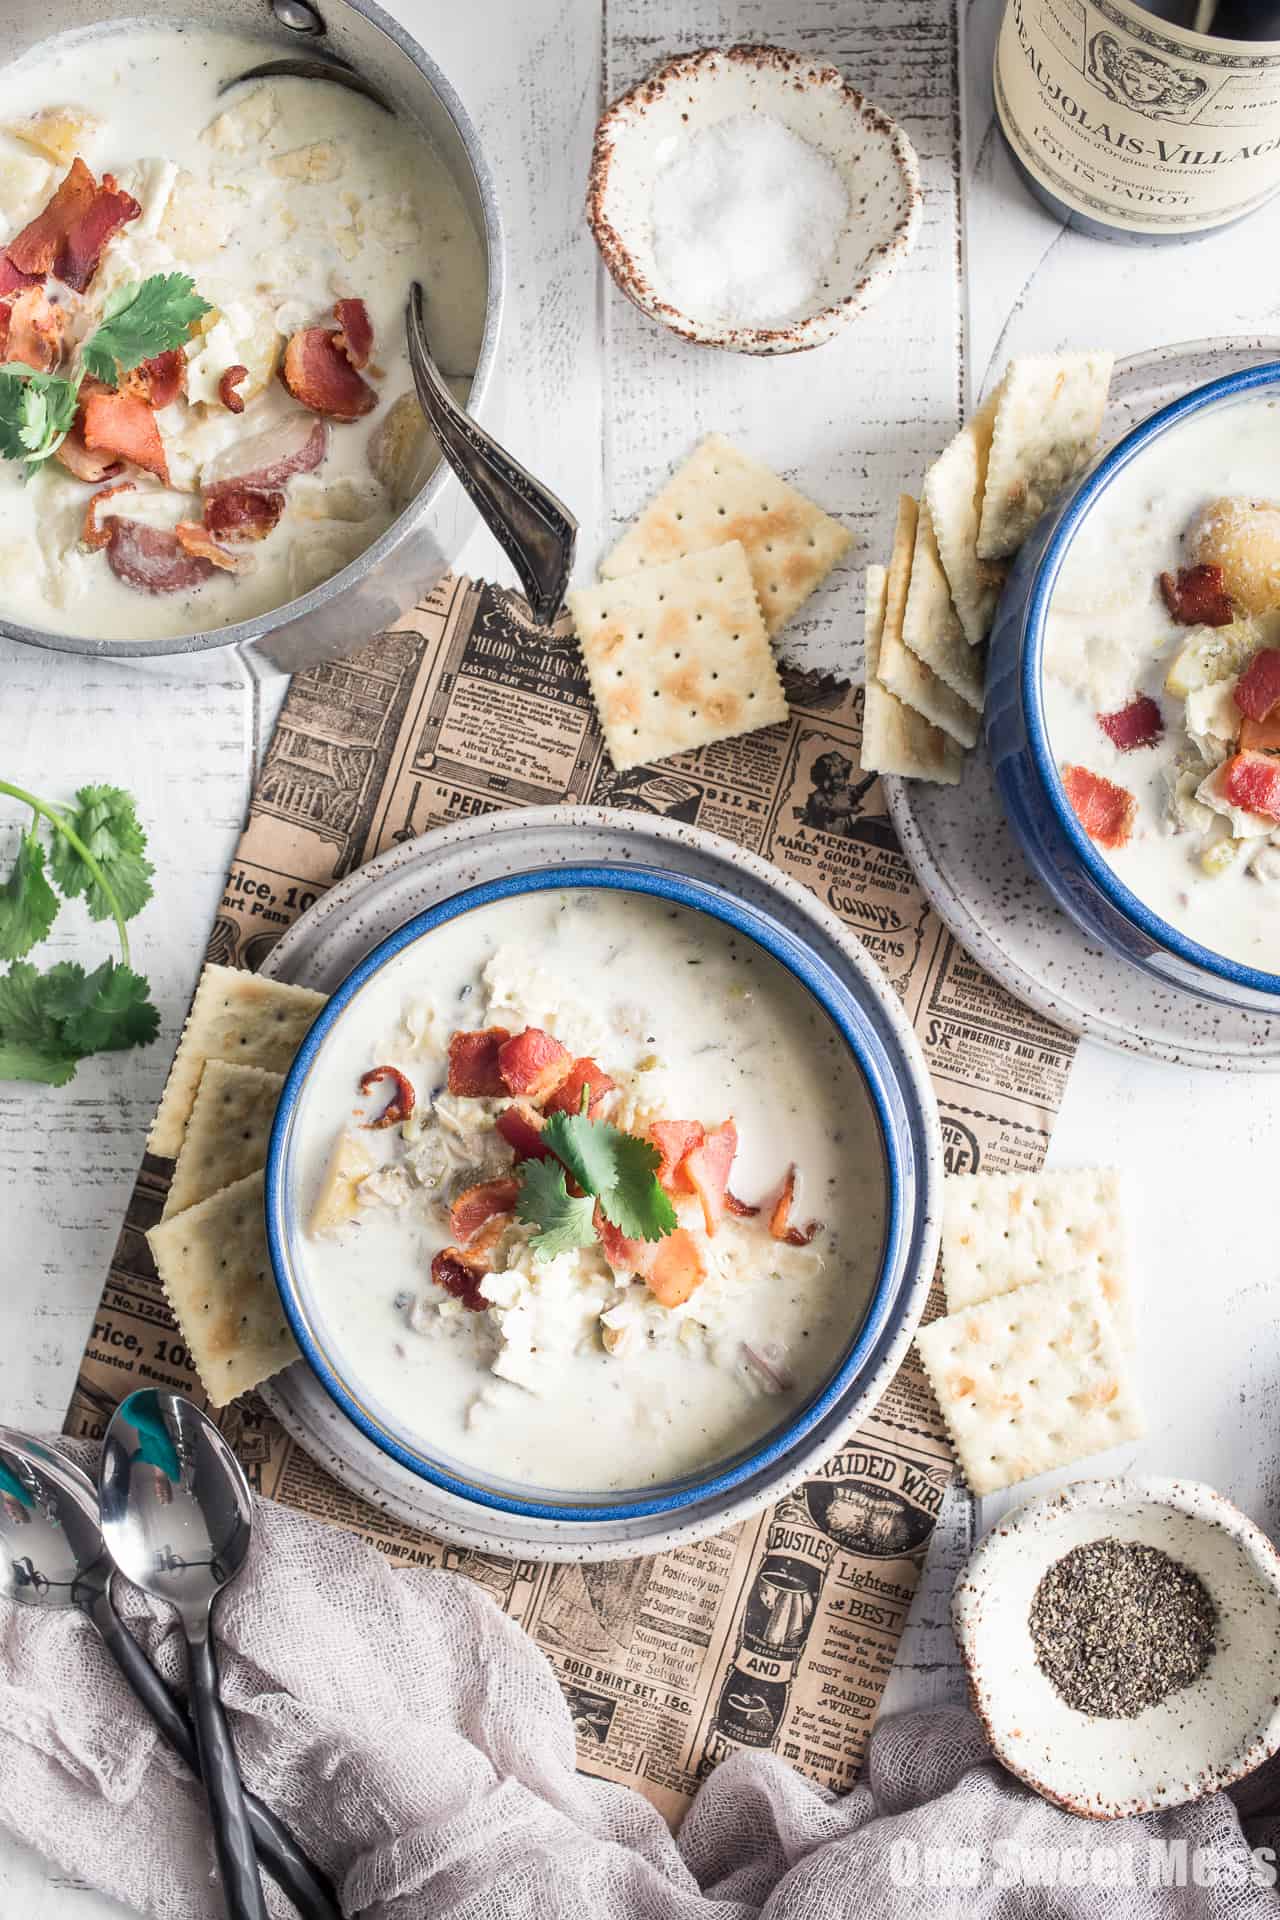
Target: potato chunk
column 1243, row 538
column 351, row 1162
column 59, row 133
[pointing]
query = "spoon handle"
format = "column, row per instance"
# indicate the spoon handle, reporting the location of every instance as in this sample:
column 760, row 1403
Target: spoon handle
column 279, row 1852
column 233, row 1837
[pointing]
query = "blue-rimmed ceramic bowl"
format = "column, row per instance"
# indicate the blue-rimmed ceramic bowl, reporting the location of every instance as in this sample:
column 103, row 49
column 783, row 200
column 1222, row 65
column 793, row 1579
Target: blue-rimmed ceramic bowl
column 1056, row 846
column 451, row 1498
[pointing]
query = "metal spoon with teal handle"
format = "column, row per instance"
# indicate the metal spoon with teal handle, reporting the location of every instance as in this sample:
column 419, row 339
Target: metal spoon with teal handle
column 176, row 1517
column 52, row 1555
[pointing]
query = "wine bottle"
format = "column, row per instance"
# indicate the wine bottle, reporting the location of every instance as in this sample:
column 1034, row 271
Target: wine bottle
column 1153, row 122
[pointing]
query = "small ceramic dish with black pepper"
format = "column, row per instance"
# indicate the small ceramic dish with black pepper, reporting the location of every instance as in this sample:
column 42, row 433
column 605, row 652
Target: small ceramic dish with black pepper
column 1122, row 1644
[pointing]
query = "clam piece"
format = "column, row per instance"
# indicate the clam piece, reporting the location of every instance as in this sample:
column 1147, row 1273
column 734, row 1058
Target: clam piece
column 1243, row 538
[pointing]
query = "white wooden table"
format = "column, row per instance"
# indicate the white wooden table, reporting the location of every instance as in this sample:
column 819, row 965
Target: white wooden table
column 603, row 404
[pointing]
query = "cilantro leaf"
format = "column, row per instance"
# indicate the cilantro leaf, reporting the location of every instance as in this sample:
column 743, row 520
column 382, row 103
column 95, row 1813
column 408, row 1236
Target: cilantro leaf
column 140, row 320
column 104, row 819
column 28, row 904
column 545, row 1202
column 619, row 1168
column 37, row 411
column 103, row 1011
column 32, row 1045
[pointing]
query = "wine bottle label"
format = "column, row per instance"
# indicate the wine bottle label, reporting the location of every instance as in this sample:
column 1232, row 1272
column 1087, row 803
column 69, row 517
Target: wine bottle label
column 1134, row 122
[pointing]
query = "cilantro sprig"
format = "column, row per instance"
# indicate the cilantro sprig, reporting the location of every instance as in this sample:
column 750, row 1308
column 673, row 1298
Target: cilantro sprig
column 51, row 1019
column 616, row 1169
column 139, row 321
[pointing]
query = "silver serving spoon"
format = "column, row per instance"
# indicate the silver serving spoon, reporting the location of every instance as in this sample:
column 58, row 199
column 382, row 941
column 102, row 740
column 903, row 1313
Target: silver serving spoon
column 535, row 530
column 52, row 1555
column 176, row 1516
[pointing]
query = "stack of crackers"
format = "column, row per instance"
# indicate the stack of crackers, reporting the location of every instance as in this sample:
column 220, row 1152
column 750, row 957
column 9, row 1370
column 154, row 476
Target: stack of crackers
column 1031, row 1364
column 677, row 638
column 214, row 1122
column 929, row 613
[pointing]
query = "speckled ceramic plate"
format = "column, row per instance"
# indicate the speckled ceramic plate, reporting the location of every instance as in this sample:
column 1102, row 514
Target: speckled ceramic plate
column 1192, row 1742
column 972, row 869
column 360, row 911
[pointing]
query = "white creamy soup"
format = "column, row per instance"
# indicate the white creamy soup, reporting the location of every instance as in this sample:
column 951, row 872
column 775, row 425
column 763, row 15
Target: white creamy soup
column 279, row 199
column 564, row 1368
column 1161, row 648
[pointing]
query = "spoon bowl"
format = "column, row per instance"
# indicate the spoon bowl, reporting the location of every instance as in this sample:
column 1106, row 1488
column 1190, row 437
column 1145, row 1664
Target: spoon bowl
column 48, row 1544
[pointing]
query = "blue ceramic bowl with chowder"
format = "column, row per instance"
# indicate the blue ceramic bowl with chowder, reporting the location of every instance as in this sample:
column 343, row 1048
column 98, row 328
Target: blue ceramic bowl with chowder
column 1133, row 650
column 491, row 1316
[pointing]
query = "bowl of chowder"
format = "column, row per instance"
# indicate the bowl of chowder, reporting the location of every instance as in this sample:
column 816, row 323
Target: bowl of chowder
column 1133, row 712
column 592, row 1194
column 208, row 429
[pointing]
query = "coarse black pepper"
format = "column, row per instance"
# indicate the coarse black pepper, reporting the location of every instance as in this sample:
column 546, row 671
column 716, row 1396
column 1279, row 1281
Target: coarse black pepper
column 1118, row 1626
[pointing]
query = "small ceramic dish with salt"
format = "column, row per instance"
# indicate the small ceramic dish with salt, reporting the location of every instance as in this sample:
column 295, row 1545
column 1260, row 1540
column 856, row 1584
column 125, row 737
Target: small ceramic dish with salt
column 750, row 198
column 1122, row 1644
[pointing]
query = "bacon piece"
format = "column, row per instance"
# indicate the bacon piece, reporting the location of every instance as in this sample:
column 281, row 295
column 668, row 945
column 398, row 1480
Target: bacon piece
column 267, row 459
column 154, row 559
column 521, row 1126
column 585, row 1075
column 32, row 330
column 1197, row 597
column 677, row 1269
column 453, row 1270
column 742, row 1208
column 473, row 1063
column 780, row 1226
column 319, row 374
column 1104, row 810
column 1257, row 691
column 12, row 280
column 242, row 513
column 533, row 1064
column 36, row 248
column 478, row 1205
column 194, row 537
column 123, row 424
column 706, row 1168
column 674, row 1139
column 1260, row 736
column 76, row 457
column 227, row 385
column 403, row 1098
column 355, row 330
column 1252, row 780
column 1137, row 725
column 624, row 1256
column 159, row 380
column 93, row 534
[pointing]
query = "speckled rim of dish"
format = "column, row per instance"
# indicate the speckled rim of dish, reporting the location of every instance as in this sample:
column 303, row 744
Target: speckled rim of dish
column 963, row 853
column 349, row 919
column 795, row 70
column 840, row 1008
column 1031, row 1529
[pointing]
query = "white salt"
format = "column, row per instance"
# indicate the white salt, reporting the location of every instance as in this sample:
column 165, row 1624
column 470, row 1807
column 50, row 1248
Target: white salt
column 746, row 218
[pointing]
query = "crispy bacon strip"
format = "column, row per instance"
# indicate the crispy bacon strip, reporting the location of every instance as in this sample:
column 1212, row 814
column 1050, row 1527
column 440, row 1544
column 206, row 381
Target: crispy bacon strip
column 533, row 1064
column 123, row 424
column 77, row 459
column 743, row 1208
column 403, row 1098
column 227, row 385
column 624, row 1256
column 159, row 380
column 1104, row 810
column 452, row 1270
column 706, row 1168
column 153, row 558
column 267, row 459
column 475, row 1207
column 355, row 330
column 1260, row 736
column 12, row 280
column 674, row 1139
column 68, row 235
column 87, row 236
column 242, row 513
column 93, row 534
column 473, row 1063
column 677, row 1269
column 1197, row 597
column 780, row 1227
column 195, row 538
column 32, row 330
column 1257, row 691
column 584, row 1076
column 1137, row 725
column 521, row 1127
column 319, row 374
column 1252, row 780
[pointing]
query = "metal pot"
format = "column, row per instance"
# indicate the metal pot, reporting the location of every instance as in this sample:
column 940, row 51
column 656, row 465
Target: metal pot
column 419, row 546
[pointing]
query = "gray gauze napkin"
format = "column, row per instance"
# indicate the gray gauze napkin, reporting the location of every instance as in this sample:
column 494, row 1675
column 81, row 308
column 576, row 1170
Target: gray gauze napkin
column 416, row 1741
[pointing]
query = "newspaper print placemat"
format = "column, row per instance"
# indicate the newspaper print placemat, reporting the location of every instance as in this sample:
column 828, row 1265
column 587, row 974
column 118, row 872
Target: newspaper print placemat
column 780, row 1633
